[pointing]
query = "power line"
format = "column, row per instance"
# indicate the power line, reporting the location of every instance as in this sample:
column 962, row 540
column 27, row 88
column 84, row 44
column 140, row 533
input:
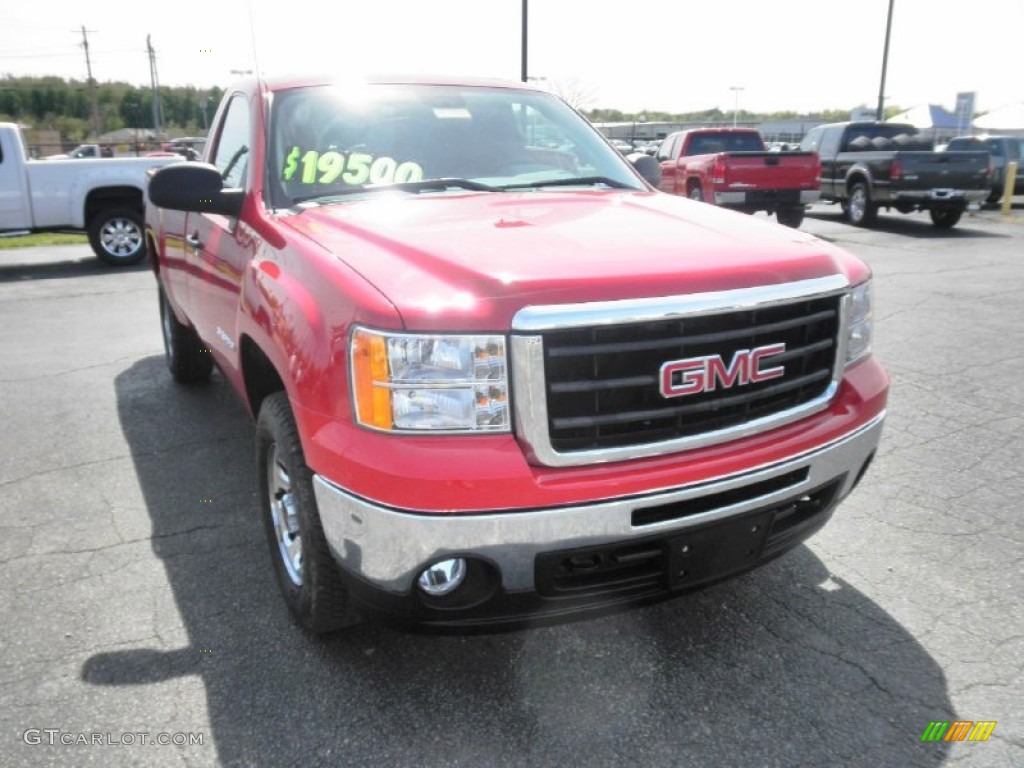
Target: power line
column 67, row 54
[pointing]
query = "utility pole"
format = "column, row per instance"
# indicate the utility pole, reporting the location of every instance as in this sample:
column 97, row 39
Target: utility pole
column 154, row 83
column 91, row 83
column 523, row 69
column 880, row 112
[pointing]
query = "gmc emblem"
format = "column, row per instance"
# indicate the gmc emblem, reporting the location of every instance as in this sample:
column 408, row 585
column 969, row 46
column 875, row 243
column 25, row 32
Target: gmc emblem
column 705, row 374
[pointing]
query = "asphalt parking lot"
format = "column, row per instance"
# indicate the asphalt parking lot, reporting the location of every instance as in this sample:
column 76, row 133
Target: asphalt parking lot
column 139, row 600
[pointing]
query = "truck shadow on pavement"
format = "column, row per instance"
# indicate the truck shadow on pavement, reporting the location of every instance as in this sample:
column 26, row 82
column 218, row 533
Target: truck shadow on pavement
column 88, row 266
column 917, row 225
column 782, row 666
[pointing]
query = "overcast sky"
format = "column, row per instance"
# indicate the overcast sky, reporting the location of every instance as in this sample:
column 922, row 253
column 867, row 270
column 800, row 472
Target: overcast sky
column 673, row 55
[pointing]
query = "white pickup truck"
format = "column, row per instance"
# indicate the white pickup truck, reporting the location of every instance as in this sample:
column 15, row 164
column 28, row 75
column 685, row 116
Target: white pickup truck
column 103, row 197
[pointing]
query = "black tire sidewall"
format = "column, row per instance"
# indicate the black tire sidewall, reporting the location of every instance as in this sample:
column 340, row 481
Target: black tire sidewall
column 945, row 219
column 320, row 603
column 790, row 217
column 184, row 354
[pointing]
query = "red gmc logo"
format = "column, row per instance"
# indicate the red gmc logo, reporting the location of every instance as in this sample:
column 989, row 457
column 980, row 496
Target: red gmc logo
column 705, row 374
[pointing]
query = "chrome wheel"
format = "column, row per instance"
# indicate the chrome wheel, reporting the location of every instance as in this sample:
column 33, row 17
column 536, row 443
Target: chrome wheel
column 860, row 211
column 120, row 237
column 284, row 514
column 858, row 204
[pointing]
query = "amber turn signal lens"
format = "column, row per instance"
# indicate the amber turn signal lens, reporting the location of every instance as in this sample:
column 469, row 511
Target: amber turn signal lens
column 370, row 374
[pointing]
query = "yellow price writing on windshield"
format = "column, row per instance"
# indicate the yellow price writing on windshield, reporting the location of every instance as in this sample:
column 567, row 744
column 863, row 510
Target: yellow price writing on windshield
column 355, row 169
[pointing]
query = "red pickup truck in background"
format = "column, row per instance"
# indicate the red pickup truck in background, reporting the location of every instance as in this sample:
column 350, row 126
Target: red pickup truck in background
column 732, row 168
column 494, row 382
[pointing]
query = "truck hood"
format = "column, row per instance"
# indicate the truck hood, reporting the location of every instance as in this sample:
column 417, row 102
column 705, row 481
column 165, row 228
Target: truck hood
column 471, row 260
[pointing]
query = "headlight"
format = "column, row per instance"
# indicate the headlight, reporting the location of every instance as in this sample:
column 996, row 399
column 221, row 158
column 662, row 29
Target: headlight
column 430, row 382
column 858, row 322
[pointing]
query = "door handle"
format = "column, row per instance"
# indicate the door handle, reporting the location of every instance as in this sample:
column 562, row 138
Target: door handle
column 193, row 241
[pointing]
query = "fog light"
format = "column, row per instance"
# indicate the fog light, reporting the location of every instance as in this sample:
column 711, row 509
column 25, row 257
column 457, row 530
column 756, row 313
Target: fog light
column 442, row 577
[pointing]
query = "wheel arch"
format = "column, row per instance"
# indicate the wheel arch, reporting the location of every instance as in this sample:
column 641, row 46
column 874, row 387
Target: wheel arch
column 259, row 375
column 857, row 175
column 111, row 197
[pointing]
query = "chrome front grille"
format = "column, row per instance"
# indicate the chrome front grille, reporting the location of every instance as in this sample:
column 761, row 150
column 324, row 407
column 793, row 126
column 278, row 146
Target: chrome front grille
column 591, row 390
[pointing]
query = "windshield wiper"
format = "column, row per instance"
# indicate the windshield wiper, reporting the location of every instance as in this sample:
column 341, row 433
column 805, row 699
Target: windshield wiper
column 403, row 186
column 581, row 181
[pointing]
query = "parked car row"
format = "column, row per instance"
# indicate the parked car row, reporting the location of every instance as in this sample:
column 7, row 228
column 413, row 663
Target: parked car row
column 863, row 166
column 189, row 147
column 83, row 152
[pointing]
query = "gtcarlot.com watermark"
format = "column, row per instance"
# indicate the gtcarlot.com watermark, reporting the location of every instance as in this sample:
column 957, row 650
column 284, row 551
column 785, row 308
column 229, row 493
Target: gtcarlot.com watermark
column 54, row 736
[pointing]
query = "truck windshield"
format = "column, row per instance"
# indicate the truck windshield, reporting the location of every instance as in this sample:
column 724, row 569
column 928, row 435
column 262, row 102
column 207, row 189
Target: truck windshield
column 331, row 142
column 725, row 142
column 991, row 146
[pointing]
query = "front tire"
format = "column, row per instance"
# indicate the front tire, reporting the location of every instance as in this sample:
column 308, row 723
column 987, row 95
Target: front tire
column 790, row 217
column 186, row 358
column 306, row 572
column 944, row 219
column 861, row 212
column 117, row 236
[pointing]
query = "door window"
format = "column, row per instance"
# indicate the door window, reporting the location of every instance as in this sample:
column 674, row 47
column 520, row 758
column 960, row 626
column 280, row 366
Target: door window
column 232, row 153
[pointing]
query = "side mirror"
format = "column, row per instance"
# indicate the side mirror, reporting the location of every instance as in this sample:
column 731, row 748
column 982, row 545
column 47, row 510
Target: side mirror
column 196, row 187
column 647, row 167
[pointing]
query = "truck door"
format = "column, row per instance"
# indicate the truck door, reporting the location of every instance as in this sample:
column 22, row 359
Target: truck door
column 219, row 247
column 14, row 199
column 833, row 181
column 667, row 154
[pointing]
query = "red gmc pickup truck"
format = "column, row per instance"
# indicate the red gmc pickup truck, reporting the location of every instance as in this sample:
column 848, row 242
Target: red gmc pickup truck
column 732, row 168
column 497, row 378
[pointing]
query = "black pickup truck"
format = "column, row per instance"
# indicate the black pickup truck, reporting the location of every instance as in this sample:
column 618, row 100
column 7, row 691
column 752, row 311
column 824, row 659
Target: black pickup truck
column 866, row 166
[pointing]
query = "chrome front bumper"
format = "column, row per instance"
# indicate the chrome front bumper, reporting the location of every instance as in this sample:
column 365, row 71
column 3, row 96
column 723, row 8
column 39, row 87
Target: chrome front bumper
column 941, row 195
column 388, row 547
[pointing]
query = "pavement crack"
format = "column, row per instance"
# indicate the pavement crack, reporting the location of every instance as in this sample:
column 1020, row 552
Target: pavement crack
column 68, row 371
column 133, row 455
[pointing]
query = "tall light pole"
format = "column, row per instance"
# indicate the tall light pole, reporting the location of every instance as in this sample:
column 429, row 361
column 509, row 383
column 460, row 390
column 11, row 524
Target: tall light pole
column 642, row 119
column 735, row 103
column 880, row 113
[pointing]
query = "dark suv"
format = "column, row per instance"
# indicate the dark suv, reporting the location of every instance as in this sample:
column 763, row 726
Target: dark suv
column 1002, row 149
